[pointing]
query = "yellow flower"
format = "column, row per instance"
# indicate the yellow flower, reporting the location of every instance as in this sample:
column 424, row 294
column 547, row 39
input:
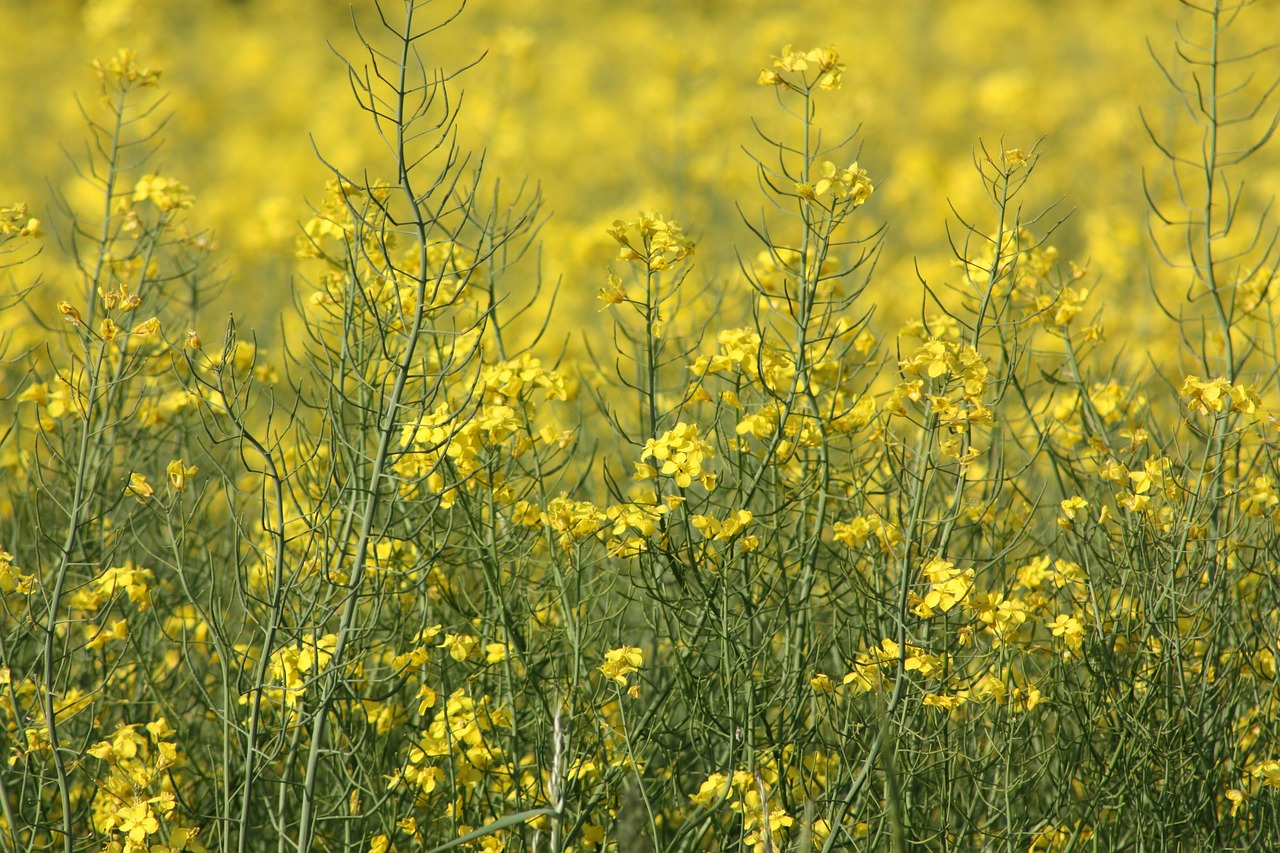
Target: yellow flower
column 165, row 193
column 69, row 313
column 948, row 586
column 426, row 697
column 1027, row 699
column 1268, row 772
column 621, row 662
column 1069, row 629
column 661, row 243
column 137, row 821
column 147, row 327
column 139, row 488
column 97, row 636
column 613, row 293
column 460, row 646
column 1258, row 498
column 123, row 69
column 849, row 183
column 947, row 703
column 825, row 61
column 179, row 473
column 682, row 452
column 716, row 786
column 1072, row 505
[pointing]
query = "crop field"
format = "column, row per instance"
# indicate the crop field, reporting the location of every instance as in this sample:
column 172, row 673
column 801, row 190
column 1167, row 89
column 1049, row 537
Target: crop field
column 641, row 427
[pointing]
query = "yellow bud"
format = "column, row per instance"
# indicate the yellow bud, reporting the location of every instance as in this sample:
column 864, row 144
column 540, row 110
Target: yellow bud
column 69, row 312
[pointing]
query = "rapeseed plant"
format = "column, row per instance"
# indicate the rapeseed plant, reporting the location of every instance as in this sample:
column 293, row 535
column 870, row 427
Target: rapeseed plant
column 791, row 575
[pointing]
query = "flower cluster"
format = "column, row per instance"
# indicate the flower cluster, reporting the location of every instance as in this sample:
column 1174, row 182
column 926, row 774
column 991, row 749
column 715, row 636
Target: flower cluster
column 123, row 69
column 15, row 220
column 765, row 823
column 1217, row 396
column 621, row 662
column 948, row 586
column 165, row 193
column 850, row 185
column 682, row 452
column 650, row 240
column 792, row 69
column 135, row 807
column 294, row 665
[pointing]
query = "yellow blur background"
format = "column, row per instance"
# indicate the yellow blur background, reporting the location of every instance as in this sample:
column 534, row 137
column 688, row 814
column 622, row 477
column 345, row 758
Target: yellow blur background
column 619, row 106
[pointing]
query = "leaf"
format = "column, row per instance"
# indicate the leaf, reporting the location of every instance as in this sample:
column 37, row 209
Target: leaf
column 490, row 828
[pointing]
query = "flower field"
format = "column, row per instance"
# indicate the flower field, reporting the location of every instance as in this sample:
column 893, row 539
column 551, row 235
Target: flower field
column 692, row 425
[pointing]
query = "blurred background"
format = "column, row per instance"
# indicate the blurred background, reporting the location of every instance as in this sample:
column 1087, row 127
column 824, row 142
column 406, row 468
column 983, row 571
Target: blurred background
column 620, row 106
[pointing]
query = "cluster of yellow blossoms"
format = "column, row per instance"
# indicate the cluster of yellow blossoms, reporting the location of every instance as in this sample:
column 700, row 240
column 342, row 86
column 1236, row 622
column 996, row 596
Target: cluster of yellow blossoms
column 791, row 69
column 682, row 451
column 135, row 806
column 652, row 241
